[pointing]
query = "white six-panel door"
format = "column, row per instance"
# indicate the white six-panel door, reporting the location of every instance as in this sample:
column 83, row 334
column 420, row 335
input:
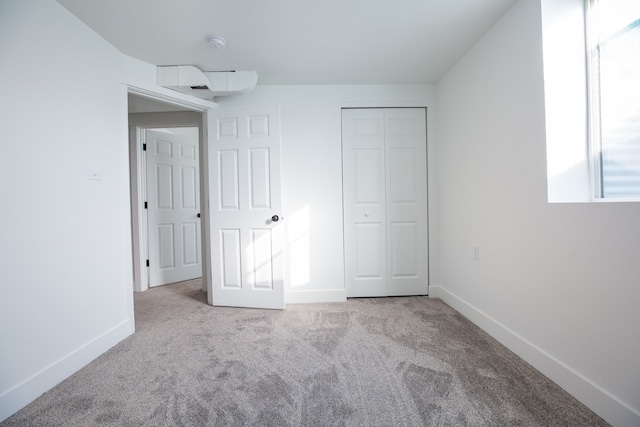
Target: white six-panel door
column 385, row 201
column 173, row 196
column 244, row 185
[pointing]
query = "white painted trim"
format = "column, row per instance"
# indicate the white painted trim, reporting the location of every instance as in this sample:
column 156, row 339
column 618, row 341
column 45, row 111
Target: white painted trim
column 205, row 222
column 599, row 400
column 138, row 217
column 306, row 297
column 374, row 104
column 33, row 387
column 168, row 96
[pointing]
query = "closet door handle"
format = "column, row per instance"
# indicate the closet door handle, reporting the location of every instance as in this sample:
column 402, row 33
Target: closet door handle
column 275, row 218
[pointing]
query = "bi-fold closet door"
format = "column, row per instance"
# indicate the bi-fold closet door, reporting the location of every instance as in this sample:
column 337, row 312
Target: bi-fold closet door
column 384, row 158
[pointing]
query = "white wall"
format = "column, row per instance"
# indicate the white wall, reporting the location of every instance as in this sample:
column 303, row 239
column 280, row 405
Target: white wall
column 557, row 283
column 312, row 175
column 65, row 251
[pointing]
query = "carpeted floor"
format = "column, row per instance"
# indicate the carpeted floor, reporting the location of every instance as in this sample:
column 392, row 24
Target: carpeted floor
column 368, row 362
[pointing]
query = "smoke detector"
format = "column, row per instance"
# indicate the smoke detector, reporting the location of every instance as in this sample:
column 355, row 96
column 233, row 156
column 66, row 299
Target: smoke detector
column 216, row 42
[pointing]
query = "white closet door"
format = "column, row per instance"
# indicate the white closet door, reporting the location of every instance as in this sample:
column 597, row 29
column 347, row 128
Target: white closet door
column 385, row 201
column 406, row 184
column 364, row 199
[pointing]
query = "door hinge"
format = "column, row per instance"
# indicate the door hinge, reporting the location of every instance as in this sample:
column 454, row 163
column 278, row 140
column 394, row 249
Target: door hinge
column 147, row 263
column 145, row 205
column 144, row 147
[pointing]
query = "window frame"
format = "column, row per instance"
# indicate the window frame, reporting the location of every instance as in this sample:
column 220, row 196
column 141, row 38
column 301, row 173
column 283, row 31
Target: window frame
column 594, row 118
column 594, row 134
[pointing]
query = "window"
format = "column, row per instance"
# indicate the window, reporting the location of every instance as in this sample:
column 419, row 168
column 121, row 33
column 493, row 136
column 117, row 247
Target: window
column 613, row 32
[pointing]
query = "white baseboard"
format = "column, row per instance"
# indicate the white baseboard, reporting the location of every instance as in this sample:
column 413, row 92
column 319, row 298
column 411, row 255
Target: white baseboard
column 600, row 401
column 40, row 382
column 305, row 297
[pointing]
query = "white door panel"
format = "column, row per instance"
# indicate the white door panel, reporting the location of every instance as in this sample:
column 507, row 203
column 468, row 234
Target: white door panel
column 369, row 251
column 165, row 248
column 246, row 245
column 406, row 159
column 385, row 200
column 403, row 245
column 231, row 273
column 190, row 236
column 364, row 202
column 173, row 207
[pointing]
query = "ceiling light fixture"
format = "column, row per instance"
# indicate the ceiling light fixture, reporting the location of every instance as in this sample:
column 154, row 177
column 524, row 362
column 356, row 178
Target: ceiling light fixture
column 216, row 42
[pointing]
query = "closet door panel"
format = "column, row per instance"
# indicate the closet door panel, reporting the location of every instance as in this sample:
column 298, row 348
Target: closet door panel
column 365, row 235
column 406, row 208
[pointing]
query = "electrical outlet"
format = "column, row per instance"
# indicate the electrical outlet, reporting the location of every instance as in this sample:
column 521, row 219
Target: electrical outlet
column 476, row 252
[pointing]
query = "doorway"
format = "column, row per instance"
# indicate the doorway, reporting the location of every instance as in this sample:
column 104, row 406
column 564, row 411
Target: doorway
column 250, row 241
column 172, row 242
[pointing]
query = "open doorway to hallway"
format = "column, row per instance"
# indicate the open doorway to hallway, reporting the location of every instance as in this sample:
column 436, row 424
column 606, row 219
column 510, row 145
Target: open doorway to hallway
column 165, row 144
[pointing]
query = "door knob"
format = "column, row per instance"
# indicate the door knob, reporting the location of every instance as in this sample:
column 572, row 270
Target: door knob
column 275, row 218
column 198, row 214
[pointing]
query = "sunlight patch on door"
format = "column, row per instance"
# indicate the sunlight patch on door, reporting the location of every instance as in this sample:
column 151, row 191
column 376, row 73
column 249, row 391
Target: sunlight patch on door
column 260, row 254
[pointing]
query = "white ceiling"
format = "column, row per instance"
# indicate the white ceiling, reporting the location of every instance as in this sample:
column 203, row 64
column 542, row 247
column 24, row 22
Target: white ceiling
column 298, row 41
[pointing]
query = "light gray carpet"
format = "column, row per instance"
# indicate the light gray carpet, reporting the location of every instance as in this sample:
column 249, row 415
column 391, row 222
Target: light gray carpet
column 367, row 362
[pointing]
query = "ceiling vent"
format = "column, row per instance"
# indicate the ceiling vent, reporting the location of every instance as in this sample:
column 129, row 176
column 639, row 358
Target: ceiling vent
column 190, row 80
column 186, row 79
column 228, row 83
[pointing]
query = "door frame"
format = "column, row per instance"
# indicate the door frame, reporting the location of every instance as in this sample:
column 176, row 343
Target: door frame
column 138, row 122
